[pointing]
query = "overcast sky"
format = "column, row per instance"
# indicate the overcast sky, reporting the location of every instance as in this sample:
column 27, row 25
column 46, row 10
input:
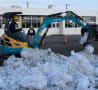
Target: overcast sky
column 73, row 4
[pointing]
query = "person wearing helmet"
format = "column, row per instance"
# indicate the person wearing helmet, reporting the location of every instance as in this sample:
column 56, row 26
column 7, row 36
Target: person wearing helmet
column 13, row 27
column 30, row 36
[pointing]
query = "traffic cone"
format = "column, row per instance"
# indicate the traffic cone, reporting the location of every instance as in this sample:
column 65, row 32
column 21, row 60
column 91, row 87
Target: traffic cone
column 43, row 42
column 65, row 40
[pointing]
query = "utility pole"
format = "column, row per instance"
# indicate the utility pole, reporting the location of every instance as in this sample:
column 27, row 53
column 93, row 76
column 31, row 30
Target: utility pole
column 27, row 3
column 67, row 5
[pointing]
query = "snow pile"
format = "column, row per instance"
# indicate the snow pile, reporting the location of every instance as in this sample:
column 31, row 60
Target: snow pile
column 45, row 70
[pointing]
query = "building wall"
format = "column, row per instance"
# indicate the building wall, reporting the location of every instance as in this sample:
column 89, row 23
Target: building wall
column 97, row 18
column 62, row 29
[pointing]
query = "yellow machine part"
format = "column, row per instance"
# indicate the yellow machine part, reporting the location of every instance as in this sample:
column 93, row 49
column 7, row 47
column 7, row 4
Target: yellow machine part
column 41, row 19
column 12, row 43
column 20, row 22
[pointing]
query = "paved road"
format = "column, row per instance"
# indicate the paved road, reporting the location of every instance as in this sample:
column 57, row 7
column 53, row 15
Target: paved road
column 56, row 43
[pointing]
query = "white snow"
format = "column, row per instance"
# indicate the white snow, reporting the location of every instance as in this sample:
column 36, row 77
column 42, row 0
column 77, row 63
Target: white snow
column 44, row 70
column 84, row 38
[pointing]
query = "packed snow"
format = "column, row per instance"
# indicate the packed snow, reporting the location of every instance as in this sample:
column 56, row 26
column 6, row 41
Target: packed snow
column 44, row 70
column 84, row 38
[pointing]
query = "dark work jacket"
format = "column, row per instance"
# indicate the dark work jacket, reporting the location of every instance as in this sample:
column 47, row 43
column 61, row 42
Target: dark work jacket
column 13, row 27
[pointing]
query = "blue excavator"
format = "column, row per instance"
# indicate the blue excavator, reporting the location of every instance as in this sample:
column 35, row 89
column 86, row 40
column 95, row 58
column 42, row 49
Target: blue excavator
column 13, row 43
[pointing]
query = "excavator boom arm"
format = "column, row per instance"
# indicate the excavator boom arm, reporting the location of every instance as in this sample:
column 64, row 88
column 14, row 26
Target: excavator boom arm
column 48, row 20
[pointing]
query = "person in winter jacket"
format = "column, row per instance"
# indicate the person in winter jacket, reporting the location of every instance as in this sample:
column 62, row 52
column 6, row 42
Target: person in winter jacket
column 30, row 36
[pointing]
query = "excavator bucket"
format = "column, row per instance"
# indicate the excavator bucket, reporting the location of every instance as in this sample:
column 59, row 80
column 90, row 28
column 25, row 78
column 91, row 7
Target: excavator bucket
column 92, row 33
column 91, row 36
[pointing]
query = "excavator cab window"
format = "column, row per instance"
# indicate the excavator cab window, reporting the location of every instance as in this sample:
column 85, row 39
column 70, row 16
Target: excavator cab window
column 16, row 34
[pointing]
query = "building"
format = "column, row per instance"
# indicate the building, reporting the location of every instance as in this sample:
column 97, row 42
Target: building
column 32, row 16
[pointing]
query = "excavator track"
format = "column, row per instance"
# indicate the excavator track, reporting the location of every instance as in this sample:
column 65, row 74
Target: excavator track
column 2, row 59
column 5, row 57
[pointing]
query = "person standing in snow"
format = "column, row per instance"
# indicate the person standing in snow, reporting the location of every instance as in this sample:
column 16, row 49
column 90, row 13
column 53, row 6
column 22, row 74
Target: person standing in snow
column 30, row 36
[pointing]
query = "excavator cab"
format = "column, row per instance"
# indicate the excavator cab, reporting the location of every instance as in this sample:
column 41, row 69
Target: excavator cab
column 15, row 39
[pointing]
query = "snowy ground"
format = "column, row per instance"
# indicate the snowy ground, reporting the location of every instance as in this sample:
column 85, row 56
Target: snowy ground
column 44, row 70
